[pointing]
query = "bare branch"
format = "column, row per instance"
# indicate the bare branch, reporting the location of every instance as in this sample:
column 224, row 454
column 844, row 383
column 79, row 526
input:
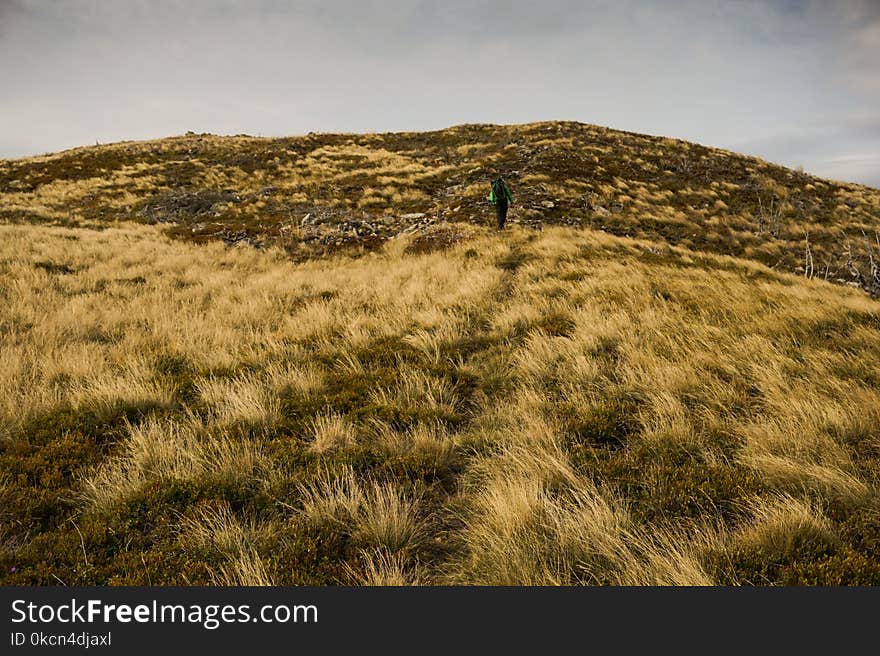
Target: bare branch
column 808, row 256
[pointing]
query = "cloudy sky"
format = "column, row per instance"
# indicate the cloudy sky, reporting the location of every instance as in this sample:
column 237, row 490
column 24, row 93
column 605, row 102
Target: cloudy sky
column 796, row 82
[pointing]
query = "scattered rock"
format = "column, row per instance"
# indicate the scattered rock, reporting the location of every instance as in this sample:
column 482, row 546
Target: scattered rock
column 176, row 205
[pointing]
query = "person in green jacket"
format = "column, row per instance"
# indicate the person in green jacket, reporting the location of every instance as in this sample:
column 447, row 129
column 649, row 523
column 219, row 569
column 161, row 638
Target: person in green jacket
column 501, row 198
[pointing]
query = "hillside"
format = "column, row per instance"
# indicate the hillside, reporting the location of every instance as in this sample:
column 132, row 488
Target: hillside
column 312, row 360
column 320, row 194
column 562, row 406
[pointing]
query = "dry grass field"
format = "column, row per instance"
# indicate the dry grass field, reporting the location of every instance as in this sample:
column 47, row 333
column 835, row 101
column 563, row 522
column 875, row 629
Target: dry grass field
column 563, row 406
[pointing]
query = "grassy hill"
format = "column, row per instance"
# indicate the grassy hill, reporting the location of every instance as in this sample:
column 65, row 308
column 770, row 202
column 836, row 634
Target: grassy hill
column 440, row 403
column 325, row 193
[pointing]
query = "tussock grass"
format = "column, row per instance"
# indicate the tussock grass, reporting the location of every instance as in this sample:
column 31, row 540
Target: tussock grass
column 302, row 380
column 331, row 432
column 430, row 442
column 415, row 388
column 244, row 399
column 216, row 528
column 782, row 525
column 332, row 498
column 779, row 533
column 376, row 513
column 537, row 522
column 380, row 568
column 554, row 407
column 389, row 520
column 829, row 479
column 160, row 450
column 133, row 388
column 247, row 569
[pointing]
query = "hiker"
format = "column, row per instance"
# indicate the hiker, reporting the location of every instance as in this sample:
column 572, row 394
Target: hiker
column 501, row 198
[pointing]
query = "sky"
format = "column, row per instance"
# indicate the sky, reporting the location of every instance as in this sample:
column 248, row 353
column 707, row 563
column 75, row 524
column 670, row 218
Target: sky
column 794, row 82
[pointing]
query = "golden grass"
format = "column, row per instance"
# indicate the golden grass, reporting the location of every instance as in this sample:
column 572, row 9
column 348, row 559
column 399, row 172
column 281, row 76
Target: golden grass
column 431, row 443
column 159, row 450
column 388, row 519
column 247, row 569
column 217, row 528
column 377, row 513
column 244, row 399
column 416, row 388
column 332, row 498
column 782, row 524
column 563, row 407
column 331, row 431
column 380, row 568
column 537, row 522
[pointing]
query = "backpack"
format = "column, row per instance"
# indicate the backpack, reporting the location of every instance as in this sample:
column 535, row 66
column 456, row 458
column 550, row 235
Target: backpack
column 500, row 192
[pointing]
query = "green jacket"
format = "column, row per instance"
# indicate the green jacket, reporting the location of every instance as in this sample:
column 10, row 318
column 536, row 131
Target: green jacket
column 500, row 191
